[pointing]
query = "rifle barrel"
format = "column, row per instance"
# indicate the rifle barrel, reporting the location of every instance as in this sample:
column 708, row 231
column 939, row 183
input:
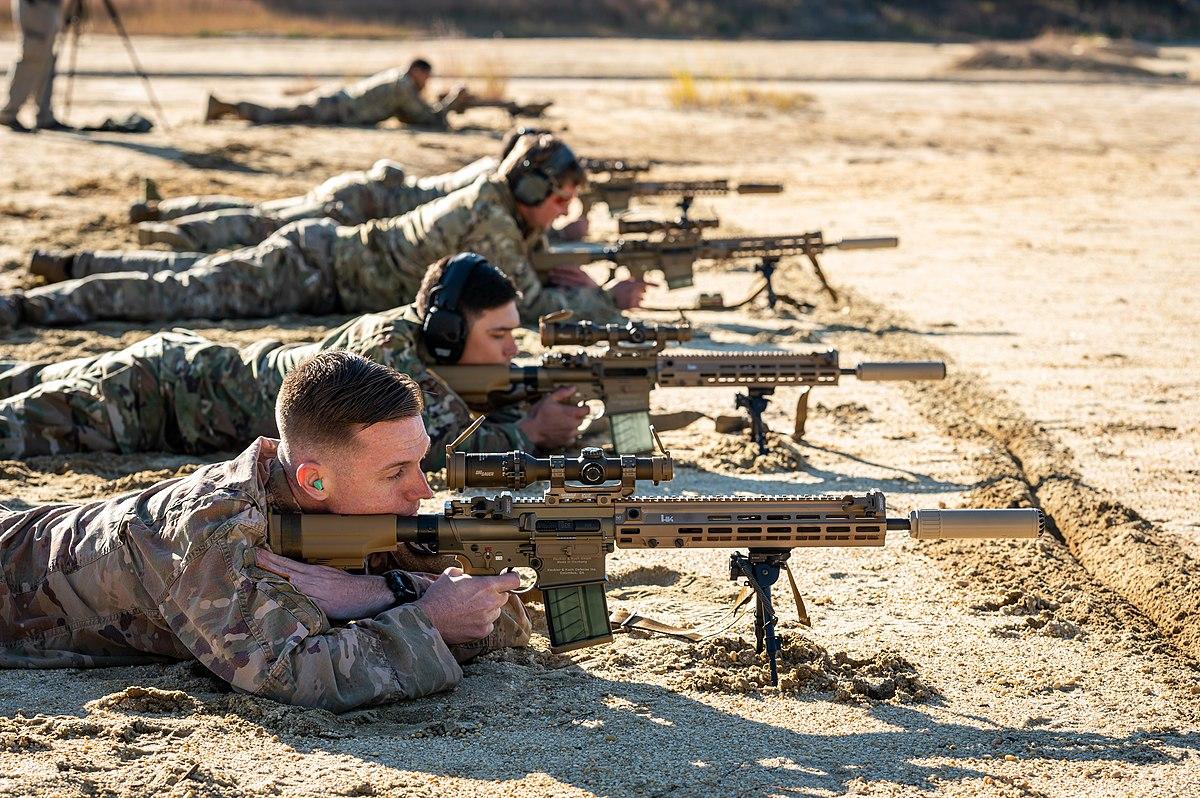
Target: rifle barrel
column 885, row 242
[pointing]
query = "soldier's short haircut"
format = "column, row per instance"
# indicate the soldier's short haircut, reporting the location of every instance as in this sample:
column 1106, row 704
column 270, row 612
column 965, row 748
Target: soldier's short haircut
column 485, row 289
column 325, row 400
column 421, row 64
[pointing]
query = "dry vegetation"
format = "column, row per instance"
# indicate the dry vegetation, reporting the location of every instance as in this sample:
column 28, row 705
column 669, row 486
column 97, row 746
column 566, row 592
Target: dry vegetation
column 687, row 91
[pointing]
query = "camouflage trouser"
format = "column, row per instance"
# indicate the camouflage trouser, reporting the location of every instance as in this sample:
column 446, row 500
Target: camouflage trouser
column 314, row 111
column 234, row 228
column 174, row 391
column 147, row 261
column 176, row 207
column 290, row 272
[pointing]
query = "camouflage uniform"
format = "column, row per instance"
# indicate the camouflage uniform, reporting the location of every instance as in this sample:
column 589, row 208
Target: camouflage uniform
column 179, row 392
column 315, row 266
column 368, row 102
column 351, row 198
column 169, row 573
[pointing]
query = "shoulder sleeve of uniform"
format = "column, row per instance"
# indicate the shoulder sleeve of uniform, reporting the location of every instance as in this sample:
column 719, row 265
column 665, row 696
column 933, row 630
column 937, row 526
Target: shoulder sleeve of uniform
column 412, row 110
column 252, row 629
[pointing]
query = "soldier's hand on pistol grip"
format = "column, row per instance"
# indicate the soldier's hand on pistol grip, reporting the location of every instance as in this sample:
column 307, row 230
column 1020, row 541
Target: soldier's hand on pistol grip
column 464, row 608
column 340, row 595
column 628, row 294
column 553, row 422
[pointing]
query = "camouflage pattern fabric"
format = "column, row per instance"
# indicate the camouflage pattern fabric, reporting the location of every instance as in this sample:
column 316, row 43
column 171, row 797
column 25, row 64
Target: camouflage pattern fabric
column 314, row 266
column 180, row 392
column 175, row 207
column 290, row 272
column 368, row 102
column 169, row 573
column 350, row 198
column 147, row 261
column 388, row 257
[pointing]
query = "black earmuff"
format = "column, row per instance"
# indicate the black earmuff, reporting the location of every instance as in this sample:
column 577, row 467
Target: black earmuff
column 535, row 182
column 444, row 328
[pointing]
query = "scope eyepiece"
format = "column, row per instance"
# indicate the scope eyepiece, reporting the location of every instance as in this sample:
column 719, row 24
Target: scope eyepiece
column 585, row 333
column 591, row 469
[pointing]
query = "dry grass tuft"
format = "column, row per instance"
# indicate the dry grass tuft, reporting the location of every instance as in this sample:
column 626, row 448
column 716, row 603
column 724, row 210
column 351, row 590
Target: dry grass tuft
column 691, row 93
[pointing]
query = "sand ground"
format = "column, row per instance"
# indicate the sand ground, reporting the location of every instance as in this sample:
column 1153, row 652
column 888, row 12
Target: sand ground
column 1048, row 250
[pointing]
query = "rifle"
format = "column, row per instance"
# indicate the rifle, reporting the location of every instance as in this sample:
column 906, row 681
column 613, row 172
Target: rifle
column 679, row 248
column 513, row 108
column 616, row 191
column 622, row 374
column 589, row 509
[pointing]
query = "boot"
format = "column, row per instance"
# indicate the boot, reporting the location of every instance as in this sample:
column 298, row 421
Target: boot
column 11, row 303
column 164, row 233
column 144, row 212
column 52, row 265
column 215, row 109
column 150, row 190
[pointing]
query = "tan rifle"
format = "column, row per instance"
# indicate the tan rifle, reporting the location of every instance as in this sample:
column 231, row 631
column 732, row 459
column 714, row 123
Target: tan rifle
column 678, row 248
column 622, row 374
column 589, row 509
column 616, row 181
column 513, row 108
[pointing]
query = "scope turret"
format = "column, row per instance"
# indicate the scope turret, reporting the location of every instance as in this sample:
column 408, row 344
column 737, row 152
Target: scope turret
column 591, row 469
column 586, row 333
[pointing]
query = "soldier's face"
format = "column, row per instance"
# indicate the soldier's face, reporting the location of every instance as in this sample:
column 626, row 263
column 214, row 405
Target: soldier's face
column 380, row 471
column 490, row 337
column 419, row 78
column 554, row 206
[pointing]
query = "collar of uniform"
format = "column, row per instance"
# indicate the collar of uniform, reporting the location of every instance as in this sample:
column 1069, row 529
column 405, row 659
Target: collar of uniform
column 408, row 315
column 279, row 491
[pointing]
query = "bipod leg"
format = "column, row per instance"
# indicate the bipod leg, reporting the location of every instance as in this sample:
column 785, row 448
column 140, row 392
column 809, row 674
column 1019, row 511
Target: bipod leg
column 761, row 570
column 816, row 264
column 754, row 402
column 767, row 269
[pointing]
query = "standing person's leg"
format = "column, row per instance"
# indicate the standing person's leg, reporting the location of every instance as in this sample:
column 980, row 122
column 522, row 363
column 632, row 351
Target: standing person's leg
column 37, row 22
column 45, row 100
column 290, row 272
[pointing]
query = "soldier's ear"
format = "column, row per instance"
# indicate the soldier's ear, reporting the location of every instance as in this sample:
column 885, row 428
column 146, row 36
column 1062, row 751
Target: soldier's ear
column 308, row 477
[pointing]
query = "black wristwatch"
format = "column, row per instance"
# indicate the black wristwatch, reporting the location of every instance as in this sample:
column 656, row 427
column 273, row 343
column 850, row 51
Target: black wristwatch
column 403, row 586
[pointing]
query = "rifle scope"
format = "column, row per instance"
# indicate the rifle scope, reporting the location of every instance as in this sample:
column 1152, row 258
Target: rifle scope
column 613, row 165
column 625, row 226
column 516, row 470
column 585, row 333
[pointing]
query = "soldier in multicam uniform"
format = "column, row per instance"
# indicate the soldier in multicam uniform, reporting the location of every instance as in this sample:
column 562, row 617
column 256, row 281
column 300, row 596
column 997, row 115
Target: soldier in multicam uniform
column 393, row 93
column 214, row 223
column 181, row 570
column 316, row 266
column 177, row 391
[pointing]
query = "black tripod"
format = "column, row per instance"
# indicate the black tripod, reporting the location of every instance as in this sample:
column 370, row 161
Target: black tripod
column 74, row 23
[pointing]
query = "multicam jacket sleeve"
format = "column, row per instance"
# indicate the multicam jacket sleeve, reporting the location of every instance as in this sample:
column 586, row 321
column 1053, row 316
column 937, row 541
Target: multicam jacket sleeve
column 254, row 630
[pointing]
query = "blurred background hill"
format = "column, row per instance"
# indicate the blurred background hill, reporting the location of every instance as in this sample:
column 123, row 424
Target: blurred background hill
column 937, row 20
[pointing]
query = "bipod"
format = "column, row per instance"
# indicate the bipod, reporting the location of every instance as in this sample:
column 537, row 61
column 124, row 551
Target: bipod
column 761, row 569
column 754, row 402
column 685, row 205
column 766, row 268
